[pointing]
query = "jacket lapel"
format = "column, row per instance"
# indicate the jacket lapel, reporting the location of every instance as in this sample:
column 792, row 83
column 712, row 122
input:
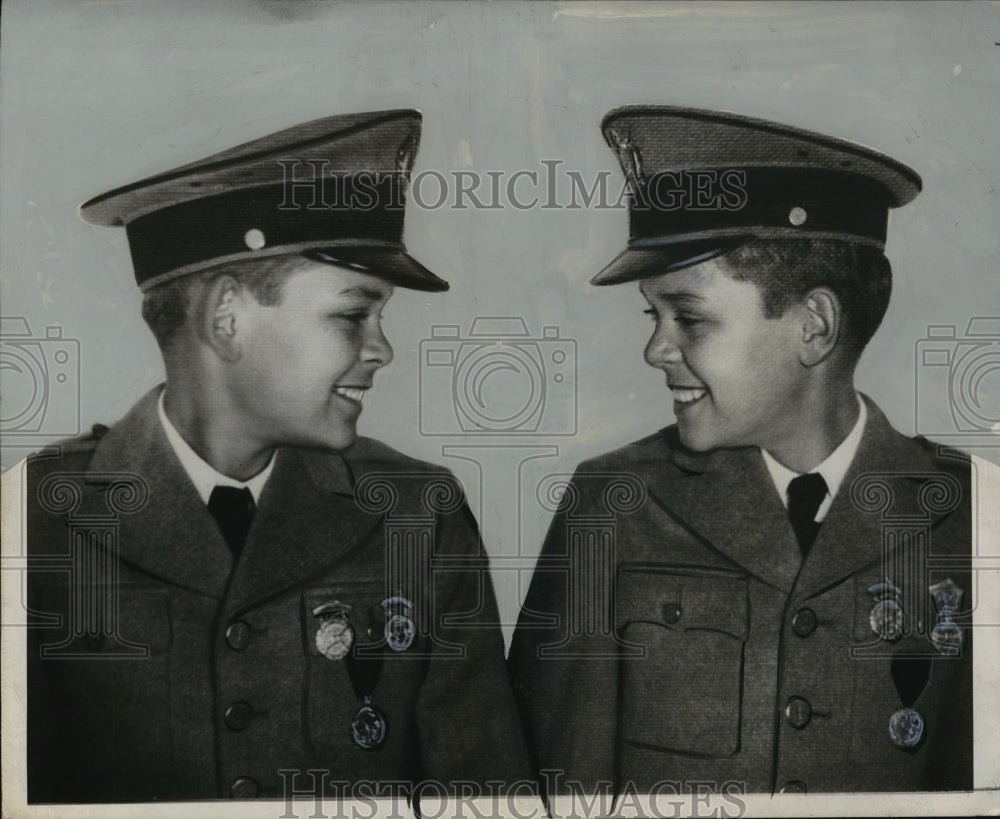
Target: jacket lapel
column 307, row 521
column 172, row 536
column 894, row 468
column 727, row 499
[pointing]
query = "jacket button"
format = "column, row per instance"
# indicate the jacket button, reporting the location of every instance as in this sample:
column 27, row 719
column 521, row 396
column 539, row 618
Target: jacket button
column 238, row 716
column 244, row 788
column 671, row 613
column 804, row 622
column 798, row 712
column 793, row 786
column 238, row 635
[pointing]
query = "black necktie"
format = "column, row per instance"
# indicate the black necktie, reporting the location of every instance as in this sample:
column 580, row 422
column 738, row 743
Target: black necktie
column 805, row 495
column 233, row 510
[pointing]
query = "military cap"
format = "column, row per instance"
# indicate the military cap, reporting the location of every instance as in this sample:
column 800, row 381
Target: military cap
column 704, row 182
column 332, row 189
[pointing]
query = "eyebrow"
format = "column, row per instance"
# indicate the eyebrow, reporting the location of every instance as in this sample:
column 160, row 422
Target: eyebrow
column 680, row 297
column 364, row 292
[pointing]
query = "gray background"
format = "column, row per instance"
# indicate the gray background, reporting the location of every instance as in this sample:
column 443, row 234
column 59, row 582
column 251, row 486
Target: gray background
column 98, row 94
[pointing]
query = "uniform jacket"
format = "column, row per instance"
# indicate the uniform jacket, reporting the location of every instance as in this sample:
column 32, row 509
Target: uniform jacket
column 160, row 670
column 673, row 633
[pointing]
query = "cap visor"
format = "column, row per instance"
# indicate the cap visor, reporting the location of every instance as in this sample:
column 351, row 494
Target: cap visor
column 389, row 263
column 644, row 262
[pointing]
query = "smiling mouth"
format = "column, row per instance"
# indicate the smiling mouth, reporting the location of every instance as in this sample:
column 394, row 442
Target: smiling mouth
column 685, row 396
column 354, row 394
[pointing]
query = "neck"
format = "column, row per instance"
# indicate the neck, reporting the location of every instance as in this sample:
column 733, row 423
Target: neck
column 204, row 424
column 824, row 419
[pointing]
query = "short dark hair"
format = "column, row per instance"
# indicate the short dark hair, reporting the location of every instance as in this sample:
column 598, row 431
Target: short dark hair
column 785, row 270
column 167, row 307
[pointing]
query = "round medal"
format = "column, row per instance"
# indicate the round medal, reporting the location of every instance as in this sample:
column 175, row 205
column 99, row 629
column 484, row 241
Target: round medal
column 334, row 639
column 886, row 620
column 400, row 632
column 906, row 728
column 368, row 728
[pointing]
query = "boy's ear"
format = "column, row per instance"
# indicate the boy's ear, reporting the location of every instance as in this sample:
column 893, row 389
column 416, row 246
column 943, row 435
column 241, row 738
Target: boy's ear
column 821, row 326
column 221, row 317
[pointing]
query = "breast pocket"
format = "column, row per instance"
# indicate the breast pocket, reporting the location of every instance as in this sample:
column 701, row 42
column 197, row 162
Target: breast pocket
column 685, row 694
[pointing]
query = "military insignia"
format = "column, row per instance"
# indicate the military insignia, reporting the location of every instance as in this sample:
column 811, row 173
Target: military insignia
column 369, row 728
column 400, row 630
column 946, row 635
column 334, row 637
column 886, row 616
column 405, row 155
column 906, row 728
column 630, row 159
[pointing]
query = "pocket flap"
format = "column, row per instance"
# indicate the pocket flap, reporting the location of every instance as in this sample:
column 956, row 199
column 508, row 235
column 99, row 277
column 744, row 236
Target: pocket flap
column 683, row 600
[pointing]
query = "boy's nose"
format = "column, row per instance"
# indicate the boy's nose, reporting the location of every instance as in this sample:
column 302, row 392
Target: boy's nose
column 377, row 349
column 661, row 350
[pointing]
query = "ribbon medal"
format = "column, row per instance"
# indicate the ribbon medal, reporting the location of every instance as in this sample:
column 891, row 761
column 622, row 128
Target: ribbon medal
column 368, row 728
column 910, row 675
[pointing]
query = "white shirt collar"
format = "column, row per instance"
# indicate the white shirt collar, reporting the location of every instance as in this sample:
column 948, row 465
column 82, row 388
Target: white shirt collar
column 833, row 469
column 203, row 475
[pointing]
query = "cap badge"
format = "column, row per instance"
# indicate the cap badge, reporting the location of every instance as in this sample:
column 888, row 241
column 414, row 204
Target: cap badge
column 335, row 635
column 405, row 155
column 886, row 616
column 946, row 634
column 400, row 630
column 630, row 159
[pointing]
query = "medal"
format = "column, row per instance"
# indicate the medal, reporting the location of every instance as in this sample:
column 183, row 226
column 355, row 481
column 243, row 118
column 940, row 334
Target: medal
column 906, row 728
column 334, row 637
column 946, row 634
column 400, row 630
column 886, row 617
column 368, row 728
column 910, row 676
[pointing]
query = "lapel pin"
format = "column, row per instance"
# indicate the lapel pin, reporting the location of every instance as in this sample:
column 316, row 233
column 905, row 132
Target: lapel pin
column 400, row 630
column 334, row 637
column 886, row 616
column 946, row 634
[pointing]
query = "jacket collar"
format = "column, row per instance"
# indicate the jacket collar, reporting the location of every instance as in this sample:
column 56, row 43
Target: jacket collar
column 174, row 537
column 727, row 499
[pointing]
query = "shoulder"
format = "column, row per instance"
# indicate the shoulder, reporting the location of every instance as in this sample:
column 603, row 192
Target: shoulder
column 370, row 455
column 69, row 454
column 653, row 449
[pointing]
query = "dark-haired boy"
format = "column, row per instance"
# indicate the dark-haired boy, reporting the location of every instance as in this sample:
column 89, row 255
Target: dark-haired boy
column 784, row 608
column 234, row 595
